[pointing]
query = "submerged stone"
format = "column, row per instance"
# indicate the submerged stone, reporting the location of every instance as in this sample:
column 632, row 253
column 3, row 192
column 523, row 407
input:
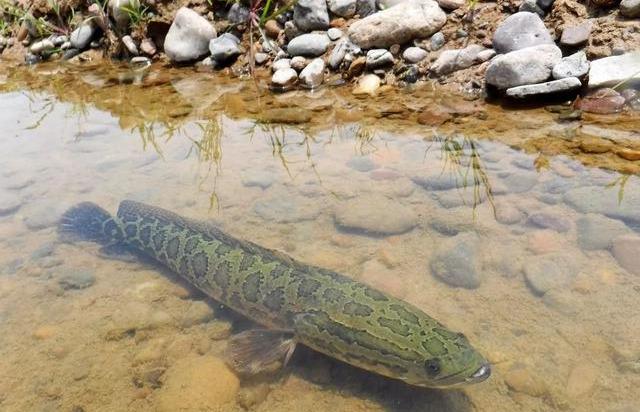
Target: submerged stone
column 80, row 279
column 597, row 232
column 455, row 261
column 626, row 250
column 543, row 273
column 374, row 214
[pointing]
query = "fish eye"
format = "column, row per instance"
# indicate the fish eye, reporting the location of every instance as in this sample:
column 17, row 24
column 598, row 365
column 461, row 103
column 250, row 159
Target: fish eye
column 432, row 366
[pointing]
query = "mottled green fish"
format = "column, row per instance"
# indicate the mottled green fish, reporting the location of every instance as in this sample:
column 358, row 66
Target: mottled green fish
column 294, row 302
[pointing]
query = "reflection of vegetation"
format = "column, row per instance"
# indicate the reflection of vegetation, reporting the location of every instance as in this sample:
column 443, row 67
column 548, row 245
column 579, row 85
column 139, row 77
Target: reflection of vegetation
column 46, row 110
column 462, row 158
column 209, row 150
column 622, row 181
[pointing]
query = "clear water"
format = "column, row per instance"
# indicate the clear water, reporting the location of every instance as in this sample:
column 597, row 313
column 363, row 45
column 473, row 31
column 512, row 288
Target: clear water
column 548, row 290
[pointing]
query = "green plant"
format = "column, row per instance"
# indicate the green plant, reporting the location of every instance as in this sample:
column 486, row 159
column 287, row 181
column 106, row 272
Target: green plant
column 137, row 13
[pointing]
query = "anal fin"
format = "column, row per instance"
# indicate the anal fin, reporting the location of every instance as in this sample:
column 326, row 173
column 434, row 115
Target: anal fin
column 259, row 350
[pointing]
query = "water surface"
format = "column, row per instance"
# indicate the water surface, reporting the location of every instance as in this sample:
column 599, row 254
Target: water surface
column 548, row 287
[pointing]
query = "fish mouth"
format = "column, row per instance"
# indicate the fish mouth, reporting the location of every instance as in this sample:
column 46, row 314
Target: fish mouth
column 481, row 374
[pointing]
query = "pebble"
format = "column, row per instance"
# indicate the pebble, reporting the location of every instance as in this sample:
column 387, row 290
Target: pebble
column 378, row 58
column 197, row 383
column 594, row 199
column 602, row 101
column 188, row 37
column 273, row 29
column 609, row 71
column 414, row 54
column 334, row 33
column 508, row 214
column 630, row 8
column 519, row 31
column 374, row 214
column 198, row 312
column 531, row 6
column 44, row 250
column 626, row 250
column 519, row 378
column 298, row 63
column 549, row 221
column 42, row 46
column 362, row 163
column 148, row 47
column 451, row 5
column 526, row 66
column 252, row 396
column 577, row 35
column 543, row 273
column 80, row 279
column 450, row 61
column 541, row 242
column 284, row 78
column 597, row 232
column 437, row 41
column 43, row 216
column 367, row 84
column 575, row 65
column 312, row 75
column 309, row 45
column 343, row 48
column 311, row 15
column 455, row 261
column 281, row 64
column 441, row 181
column 45, row 332
column 130, row 45
column 258, row 178
column 589, row 144
column 224, row 48
column 82, row 35
column 581, row 380
column 238, row 14
column 277, row 209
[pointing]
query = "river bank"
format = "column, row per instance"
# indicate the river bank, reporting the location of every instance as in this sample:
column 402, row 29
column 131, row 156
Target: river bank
column 544, row 51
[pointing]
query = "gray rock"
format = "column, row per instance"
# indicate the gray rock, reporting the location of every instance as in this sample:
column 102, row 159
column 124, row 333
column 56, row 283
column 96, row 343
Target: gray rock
column 450, row 61
column 626, row 250
column 520, row 182
column 278, row 209
column 612, row 70
column 444, row 181
column 313, row 74
column 544, row 273
column 374, row 214
column 284, row 78
column 298, row 63
column 594, row 199
column 531, row 6
column 378, row 58
column 188, row 37
column 310, row 44
column 508, row 214
column 281, row 64
column 545, row 4
column 549, row 221
column 437, row 41
column 630, row 8
column 291, row 30
column 365, row 7
column 414, row 54
column 575, row 65
column 9, row 204
column 334, row 33
column 343, row 8
column 343, row 47
column 597, row 232
column 398, row 25
column 385, row 4
column 238, row 13
column 260, row 179
column 554, row 86
column 520, row 30
column 311, row 15
column 261, row 57
column 82, row 35
column 523, row 67
column 80, row 279
column 455, row 261
column 42, row 46
column 224, row 48
column 574, row 36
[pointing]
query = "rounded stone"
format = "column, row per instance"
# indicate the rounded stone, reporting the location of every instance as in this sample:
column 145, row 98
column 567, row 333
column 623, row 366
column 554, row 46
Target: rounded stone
column 597, row 232
column 626, row 250
column 197, row 383
column 455, row 262
column 80, row 279
column 414, row 54
column 374, row 214
column 549, row 272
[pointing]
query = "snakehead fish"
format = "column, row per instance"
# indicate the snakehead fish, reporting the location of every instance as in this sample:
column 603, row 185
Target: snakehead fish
column 293, row 302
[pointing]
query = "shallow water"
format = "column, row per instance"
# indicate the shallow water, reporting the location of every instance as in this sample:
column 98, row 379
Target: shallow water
column 548, row 288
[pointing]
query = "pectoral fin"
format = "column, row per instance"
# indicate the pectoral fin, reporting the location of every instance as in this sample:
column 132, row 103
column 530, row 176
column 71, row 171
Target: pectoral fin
column 259, row 350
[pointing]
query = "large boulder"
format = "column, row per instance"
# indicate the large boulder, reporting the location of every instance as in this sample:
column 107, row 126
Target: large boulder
column 519, row 31
column 311, row 15
column 398, row 24
column 526, row 66
column 612, row 70
column 188, row 37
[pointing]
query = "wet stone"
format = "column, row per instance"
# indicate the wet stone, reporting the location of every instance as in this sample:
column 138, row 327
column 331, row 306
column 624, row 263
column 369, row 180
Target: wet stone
column 626, row 250
column 374, row 214
column 520, row 182
column 362, row 164
column 252, row 396
column 455, row 261
column 594, row 199
column 444, row 181
column 80, row 279
column 282, row 210
column 378, row 58
column 43, row 216
column 43, row 251
column 581, row 380
column 508, row 214
column 597, row 232
column 198, row 312
column 260, row 179
column 549, row 221
column 521, row 379
column 543, row 273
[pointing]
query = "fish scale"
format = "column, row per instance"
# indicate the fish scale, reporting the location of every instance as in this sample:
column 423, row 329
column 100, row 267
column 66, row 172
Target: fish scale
column 322, row 309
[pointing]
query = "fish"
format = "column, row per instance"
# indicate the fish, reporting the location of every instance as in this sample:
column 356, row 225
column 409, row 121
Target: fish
column 292, row 302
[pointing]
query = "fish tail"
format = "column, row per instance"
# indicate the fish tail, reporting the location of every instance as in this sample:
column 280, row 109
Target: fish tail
column 88, row 221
